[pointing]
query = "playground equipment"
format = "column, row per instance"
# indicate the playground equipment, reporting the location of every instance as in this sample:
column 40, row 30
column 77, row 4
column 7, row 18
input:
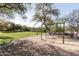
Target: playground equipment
column 63, row 23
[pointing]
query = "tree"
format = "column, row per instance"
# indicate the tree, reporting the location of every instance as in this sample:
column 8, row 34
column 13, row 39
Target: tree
column 10, row 26
column 18, row 27
column 10, row 9
column 25, row 28
column 73, row 21
column 2, row 25
column 43, row 14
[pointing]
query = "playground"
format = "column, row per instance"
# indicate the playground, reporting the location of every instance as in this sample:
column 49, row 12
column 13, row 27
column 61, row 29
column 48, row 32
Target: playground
column 50, row 43
column 39, row 29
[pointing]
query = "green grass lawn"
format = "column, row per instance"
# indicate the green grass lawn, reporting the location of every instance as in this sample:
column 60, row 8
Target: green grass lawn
column 7, row 37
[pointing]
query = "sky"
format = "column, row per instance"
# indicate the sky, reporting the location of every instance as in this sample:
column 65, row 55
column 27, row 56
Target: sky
column 65, row 9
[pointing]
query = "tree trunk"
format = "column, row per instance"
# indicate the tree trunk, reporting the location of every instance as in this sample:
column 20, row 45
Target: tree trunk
column 77, row 35
column 49, row 31
column 72, row 34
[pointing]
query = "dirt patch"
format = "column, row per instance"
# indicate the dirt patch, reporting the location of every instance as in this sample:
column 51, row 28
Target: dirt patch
column 34, row 46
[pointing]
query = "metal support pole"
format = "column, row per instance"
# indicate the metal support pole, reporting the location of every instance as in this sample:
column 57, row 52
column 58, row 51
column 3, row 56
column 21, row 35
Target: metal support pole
column 56, row 27
column 63, row 31
column 41, row 32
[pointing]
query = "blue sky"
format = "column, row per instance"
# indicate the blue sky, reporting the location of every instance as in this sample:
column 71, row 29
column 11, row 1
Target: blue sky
column 65, row 8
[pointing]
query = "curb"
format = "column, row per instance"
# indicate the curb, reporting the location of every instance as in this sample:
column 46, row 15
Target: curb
column 7, row 44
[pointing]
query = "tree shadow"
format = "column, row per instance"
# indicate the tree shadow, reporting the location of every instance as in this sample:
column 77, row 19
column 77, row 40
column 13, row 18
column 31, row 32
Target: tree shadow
column 6, row 37
column 4, row 40
column 29, row 48
column 61, row 52
column 72, row 44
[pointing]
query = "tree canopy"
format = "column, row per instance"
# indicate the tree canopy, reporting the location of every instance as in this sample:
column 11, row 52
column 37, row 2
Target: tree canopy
column 44, row 12
column 73, row 21
column 9, row 10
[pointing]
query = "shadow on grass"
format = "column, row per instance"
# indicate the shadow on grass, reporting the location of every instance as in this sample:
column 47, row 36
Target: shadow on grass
column 6, row 37
column 4, row 40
